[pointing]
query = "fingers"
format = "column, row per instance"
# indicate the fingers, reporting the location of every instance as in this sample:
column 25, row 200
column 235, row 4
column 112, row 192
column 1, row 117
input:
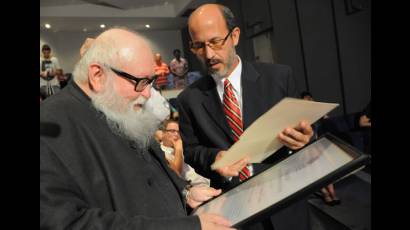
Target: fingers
column 219, row 220
column 208, row 192
column 199, row 194
column 178, row 141
column 217, row 191
column 240, row 164
column 233, row 170
column 305, row 128
column 291, row 138
column 289, row 142
column 214, row 192
column 227, row 172
column 214, row 222
column 296, row 138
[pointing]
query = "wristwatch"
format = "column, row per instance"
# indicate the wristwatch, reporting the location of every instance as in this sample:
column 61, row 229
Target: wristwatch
column 185, row 192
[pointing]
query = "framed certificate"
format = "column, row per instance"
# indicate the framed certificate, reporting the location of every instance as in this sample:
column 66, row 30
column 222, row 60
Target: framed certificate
column 311, row 168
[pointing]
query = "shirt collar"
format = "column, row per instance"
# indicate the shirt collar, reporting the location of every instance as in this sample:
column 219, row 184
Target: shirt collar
column 166, row 148
column 234, row 78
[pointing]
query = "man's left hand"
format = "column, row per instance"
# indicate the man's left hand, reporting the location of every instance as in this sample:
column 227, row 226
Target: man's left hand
column 200, row 193
column 296, row 137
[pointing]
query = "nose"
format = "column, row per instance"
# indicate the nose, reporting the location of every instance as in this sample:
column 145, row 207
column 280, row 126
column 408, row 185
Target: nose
column 209, row 52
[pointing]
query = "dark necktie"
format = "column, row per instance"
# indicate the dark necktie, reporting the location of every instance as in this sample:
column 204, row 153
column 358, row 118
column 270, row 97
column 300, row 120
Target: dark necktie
column 233, row 116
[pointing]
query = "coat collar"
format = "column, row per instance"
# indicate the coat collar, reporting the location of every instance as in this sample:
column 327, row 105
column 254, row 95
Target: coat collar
column 250, row 93
column 214, row 107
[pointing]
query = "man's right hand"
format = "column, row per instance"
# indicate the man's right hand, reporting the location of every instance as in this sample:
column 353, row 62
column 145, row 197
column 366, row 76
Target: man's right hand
column 364, row 121
column 214, row 222
column 198, row 194
column 231, row 170
column 177, row 145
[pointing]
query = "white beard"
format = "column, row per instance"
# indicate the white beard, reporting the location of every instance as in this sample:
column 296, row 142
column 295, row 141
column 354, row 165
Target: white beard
column 124, row 120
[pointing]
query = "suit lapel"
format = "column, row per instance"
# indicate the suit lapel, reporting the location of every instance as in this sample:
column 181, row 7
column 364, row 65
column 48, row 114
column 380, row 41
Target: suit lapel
column 250, row 94
column 250, row 102
column 213, row 106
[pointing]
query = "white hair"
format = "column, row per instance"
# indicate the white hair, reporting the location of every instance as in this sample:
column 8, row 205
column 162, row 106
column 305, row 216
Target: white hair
column 104, row 51
column 138, row 126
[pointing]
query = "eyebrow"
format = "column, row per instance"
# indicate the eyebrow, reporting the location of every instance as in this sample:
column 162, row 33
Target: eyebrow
column 214, row 38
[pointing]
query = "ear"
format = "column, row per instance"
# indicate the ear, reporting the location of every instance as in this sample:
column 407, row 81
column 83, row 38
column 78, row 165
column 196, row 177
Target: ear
column 235, row 35
column 96, row 77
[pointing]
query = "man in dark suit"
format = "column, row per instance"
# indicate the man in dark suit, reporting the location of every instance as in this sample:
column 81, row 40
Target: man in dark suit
column 216, row 109
column 104, row 171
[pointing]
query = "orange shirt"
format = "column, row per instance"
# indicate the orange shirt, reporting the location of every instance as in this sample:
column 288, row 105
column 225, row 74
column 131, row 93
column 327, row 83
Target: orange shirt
column 161, row 71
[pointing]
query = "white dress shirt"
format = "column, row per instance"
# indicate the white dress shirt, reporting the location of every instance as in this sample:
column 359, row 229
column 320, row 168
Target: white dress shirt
column 235, row 79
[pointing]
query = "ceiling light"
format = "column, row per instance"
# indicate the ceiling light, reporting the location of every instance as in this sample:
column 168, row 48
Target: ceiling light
column 147, row 25
column 47, row 26
column 102, row 26
column 85, row 29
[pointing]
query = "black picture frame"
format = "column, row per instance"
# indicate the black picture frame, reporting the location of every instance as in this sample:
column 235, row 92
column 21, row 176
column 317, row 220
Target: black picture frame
column 359, row 160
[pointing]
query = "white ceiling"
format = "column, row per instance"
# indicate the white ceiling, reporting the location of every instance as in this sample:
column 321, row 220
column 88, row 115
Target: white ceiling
column 123, row 4
column 77, row 15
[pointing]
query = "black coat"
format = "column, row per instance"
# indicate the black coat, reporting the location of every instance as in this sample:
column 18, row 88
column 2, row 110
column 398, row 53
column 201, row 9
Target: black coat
column 91, row 178
column 203, row 126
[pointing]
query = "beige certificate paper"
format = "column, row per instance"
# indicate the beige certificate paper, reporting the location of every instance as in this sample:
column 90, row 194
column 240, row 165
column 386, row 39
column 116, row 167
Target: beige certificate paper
column 260, row 140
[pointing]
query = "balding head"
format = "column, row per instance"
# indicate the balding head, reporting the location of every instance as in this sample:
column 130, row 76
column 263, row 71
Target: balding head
column 214, row 36
column 209, row 14
column 128, row 47
column 158, row 58
column 118, row 48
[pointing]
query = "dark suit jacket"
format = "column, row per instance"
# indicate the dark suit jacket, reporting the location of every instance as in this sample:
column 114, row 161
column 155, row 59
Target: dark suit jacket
column 91, row 178
column 203, row 126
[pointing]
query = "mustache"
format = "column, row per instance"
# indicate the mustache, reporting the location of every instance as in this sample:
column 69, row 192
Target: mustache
column 140, row 101
column 214, row 61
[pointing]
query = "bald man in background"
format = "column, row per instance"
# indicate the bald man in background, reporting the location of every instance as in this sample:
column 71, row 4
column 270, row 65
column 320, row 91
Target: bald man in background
column 104, row 171
column 161, row 70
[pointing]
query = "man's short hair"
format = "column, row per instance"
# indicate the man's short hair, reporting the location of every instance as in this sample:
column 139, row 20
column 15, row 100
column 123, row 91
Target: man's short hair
column 45, row 47
column 305, row 93
column 229, row 17
column 166, row 122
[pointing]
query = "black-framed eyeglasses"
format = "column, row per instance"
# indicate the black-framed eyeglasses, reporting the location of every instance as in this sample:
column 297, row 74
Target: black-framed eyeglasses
column 140, row 82
column 215, row 44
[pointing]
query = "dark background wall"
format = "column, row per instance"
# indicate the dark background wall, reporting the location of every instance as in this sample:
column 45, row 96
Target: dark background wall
column 326, row 42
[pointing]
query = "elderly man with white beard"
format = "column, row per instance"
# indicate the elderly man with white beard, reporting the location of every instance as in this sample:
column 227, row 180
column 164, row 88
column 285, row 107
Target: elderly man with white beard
column 104, row 170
